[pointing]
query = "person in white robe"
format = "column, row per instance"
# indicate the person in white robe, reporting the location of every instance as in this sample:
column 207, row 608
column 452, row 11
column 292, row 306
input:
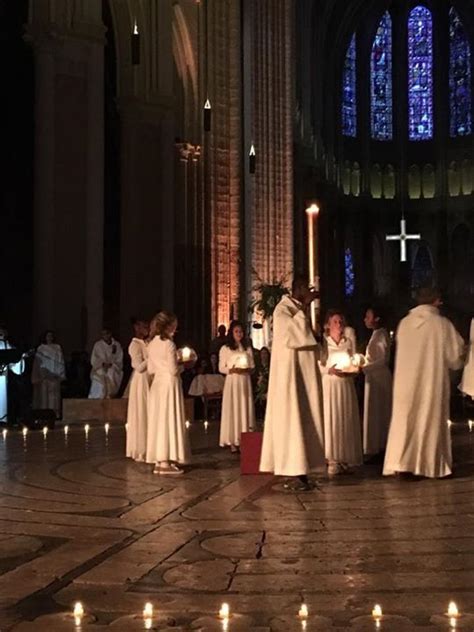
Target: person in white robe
column 139, row 386
column 467, row 382
column 377, row 386
column 293, row 436
column 17, row 368
column 428, row 346
column 342, row 431
column 167, row 439
column 236, row 362
column 47, row 374
column 107, row 367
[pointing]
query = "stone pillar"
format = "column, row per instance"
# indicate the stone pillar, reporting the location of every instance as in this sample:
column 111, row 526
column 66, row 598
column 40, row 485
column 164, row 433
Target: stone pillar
column 273, row 107
column 94, row 262
column 44, row 183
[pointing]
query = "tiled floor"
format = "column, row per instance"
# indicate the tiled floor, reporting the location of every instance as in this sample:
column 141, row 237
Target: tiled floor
column 80, row 522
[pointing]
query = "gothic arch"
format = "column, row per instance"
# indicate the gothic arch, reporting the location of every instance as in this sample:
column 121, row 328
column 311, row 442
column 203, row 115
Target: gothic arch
column 186, row 66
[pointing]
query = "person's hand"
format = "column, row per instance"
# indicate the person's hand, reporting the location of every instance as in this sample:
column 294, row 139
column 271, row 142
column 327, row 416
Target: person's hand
column 337, row 372
column 311, row 296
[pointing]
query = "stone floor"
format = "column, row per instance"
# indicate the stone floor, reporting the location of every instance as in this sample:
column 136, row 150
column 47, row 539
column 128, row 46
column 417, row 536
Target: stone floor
column 80, row 522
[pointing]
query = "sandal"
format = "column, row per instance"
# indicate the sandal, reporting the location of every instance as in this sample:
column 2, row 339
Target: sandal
column 170, row 471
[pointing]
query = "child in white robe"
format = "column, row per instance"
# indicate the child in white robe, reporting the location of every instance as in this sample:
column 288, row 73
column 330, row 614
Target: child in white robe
column 236, row 362
column 139, row 387
column 342, row 432
column 377, row 387
column 47, row 375
column 167, row 440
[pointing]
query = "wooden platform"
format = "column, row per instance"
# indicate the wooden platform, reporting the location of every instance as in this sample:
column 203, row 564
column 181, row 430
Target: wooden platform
column 106, row 410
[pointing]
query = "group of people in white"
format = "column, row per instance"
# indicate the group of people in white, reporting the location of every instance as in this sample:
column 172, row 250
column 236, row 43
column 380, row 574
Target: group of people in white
column 313, row 423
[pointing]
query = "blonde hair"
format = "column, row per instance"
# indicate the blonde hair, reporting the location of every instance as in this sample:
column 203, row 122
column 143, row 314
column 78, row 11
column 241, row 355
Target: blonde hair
column 329, row 315
column 160, row 323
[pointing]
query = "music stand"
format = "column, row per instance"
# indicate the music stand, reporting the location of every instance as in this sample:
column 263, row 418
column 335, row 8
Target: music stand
column 9, row 356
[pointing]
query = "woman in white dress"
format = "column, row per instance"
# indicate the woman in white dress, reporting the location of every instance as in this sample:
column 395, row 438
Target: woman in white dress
column 47, row 374
column 238, row 410
column 167, row 441
column 139, row 386
column 378, row 385
column 342, row 432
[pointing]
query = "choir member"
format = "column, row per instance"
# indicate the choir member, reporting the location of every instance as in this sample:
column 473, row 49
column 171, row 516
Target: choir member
column 343, row 445
column 378, row 385
column 138, row 392
column 107, row 367
column 238, row 410
column 428, row 346
column 47, row 374
column 167, row 441
column 293, row 437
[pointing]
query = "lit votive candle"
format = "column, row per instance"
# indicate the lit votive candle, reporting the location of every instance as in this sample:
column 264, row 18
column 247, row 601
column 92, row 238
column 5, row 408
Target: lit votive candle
column 45, row 431
column 66, row 430
column 187, row 423
column 24, row 432
column 453, row 611
column 206, row 425
column 303, row 611
column 377, row 613
column 450, row 423
column 186, row 354
column 148, row 610
column 471, row 425
column 224, row 612
column 107, row 428
column 4, row 433
column 78, row 613
column 86, row 428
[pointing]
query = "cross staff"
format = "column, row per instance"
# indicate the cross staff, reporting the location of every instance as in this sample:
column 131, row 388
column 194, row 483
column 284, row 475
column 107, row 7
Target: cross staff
column 403, row 238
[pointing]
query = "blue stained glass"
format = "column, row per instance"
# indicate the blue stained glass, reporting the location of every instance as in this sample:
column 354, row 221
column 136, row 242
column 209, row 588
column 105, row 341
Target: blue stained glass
column 349, row 278
column 381, row 81
column 349, row 98
column 459, row 77
column 420, row 74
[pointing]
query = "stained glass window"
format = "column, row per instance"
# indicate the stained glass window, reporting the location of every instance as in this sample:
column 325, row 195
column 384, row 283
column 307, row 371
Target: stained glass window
column 349, row 99
column 420, row 74
column 459, row 77
column 349, row 279
column 381, row 80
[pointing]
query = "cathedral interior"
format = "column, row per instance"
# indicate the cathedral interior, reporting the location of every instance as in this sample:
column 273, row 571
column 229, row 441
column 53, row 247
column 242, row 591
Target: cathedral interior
column 128, row 184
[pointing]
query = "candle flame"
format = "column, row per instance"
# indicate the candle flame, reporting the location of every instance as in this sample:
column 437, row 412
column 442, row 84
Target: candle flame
column 148, row 610
column 107, row 428
column 206, row 425
column 24, row 431
column 78, row 610
column 377, row 612
column 453, row 610
column 303, row 611
column 187, row 423
column 252, row 150
column 471, row 425
column 4, row 432
column 135, row 28
column 313, row 209
column 224, row 612
column 450, row 423
column 66, row 429
column 207, row 105
column 45, row 431
column 86, row 428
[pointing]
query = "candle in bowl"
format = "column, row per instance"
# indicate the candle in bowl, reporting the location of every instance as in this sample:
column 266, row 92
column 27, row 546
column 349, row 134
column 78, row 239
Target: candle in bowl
column 341, row 360
column 242, row 361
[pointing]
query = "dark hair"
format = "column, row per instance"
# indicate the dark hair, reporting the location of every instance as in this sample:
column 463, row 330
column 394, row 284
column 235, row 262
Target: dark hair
column 427, row 295
column 230, row 336
column 160, row 323
column 299, row 281
column 377, row 311
column 44, row 335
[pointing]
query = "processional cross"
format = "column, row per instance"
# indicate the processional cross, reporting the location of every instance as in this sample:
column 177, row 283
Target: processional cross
column 403, row 237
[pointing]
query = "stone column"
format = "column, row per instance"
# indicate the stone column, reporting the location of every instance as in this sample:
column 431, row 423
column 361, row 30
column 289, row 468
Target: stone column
column 44, row 183
column 95, row 193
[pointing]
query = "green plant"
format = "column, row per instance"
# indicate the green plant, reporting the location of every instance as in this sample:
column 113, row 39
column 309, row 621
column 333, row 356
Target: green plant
column 269, row 295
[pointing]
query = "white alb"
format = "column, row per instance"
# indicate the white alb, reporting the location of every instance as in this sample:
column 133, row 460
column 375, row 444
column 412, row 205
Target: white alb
column 105, row 382
column 137, row 413
column 47, row 375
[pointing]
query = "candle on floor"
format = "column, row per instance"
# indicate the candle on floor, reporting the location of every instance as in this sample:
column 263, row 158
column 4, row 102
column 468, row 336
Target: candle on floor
column 4, row 433
column 187, row 423
column 303, row 611
column 377, row 612
column 453, row 611
column 45, row 431
column 148, row 610
column 78, row 613
column 224, row 612
column 107, row 428
column 66, row 430
column 24, row 432
column 471, row 425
